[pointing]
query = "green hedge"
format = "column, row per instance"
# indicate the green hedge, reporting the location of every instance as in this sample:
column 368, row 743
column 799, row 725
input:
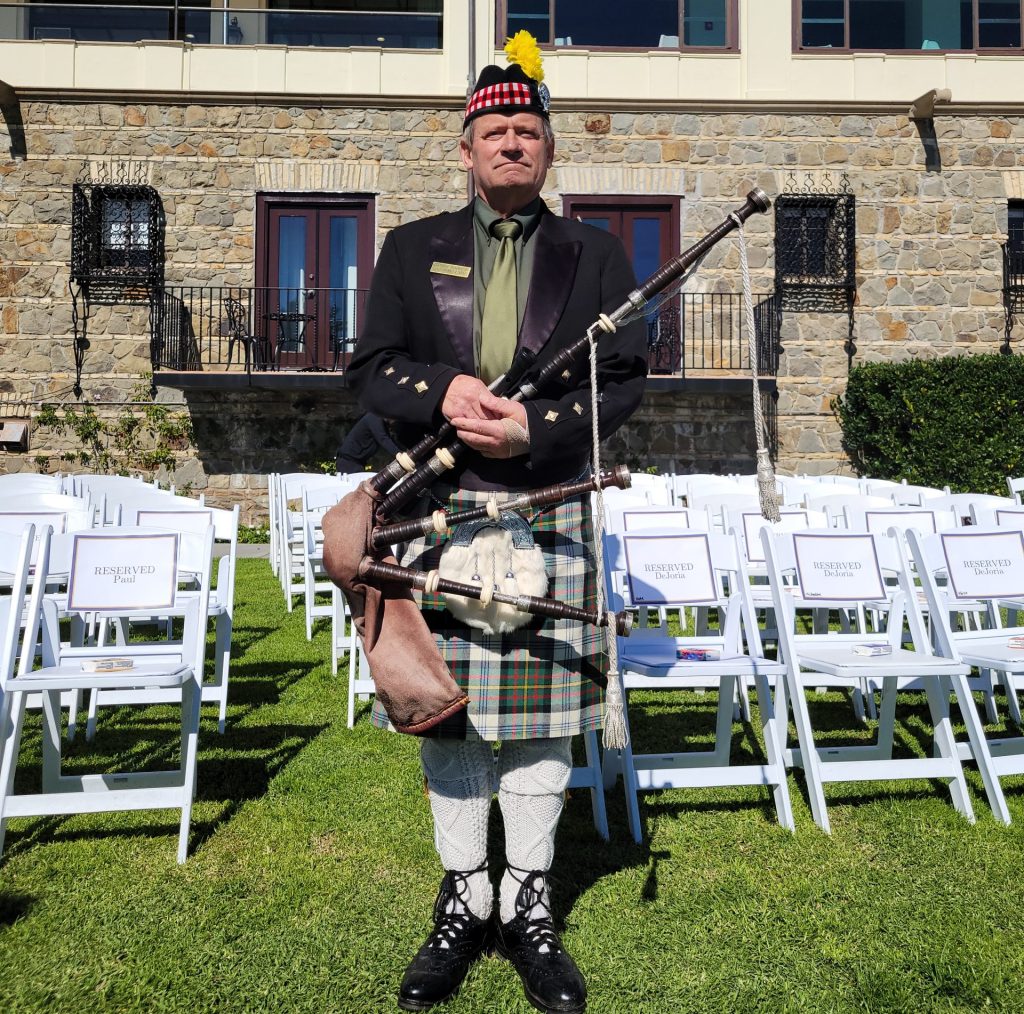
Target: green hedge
column 957, row 421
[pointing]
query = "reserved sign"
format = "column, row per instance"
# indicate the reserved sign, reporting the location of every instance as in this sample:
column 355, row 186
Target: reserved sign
column 669, row 570
column 989, row 565
column 840, row 567
column 123, row 572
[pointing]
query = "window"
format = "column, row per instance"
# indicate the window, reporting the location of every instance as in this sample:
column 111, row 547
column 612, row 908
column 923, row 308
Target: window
column 121, row 21
column 814, row 251
column 394, row 24
column 117, row 239
column 124, row 231
column 909, row 25
column 640, row 24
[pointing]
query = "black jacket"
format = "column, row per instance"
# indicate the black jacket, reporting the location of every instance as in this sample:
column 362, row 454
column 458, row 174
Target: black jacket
column 417, row 336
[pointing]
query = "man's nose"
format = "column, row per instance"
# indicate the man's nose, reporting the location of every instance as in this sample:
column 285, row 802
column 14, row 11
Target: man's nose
column 512, row 144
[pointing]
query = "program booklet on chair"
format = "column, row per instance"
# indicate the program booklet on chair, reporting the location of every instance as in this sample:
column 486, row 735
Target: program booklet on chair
column 107, row 664
column 873, row 648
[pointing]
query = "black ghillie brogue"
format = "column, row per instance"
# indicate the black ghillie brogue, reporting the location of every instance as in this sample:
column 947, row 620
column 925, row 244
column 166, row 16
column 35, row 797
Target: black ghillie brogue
column 457, row 940
column 551, row 980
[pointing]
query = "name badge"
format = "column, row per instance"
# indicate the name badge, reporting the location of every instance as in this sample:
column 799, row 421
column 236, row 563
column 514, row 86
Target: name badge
column 455, row 270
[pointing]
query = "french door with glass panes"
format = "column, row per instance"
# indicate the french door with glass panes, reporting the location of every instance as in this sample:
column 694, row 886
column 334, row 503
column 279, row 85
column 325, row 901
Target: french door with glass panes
column 649, row 230
column 314, row 260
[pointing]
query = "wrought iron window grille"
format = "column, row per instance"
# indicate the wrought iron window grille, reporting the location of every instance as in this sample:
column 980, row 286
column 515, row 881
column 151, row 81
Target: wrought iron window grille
column 815, row 247
column 117, row 250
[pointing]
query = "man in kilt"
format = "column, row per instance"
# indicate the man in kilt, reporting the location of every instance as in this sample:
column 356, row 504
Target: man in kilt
column 442, row 321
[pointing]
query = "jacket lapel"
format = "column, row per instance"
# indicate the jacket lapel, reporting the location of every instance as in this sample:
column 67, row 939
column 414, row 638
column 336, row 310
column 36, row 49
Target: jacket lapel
column 454, row 294
column 554, row 271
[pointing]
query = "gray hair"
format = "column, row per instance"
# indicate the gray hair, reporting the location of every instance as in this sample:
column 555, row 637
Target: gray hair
column 546, row 129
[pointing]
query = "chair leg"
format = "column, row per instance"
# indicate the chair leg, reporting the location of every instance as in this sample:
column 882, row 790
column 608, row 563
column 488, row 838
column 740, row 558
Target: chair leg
column 980, row 749
column 75, row 705
column 51, row 740
column 597, row 802
column 629, row 782
column 945, row 742
column 1012, row 704
column 774, row 750
column 90, row 721
column 724, row 717
column 222, row 665
column 191, row 699
column 12, row 717
column 809, row 754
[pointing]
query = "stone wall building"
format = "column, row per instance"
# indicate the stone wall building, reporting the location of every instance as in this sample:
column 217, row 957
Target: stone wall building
column 685, row 133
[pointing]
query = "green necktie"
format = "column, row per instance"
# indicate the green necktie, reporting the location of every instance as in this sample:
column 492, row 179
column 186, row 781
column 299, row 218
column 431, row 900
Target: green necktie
column 500, row 325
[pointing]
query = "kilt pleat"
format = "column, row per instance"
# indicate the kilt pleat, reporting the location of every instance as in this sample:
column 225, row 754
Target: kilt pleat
column 544, row 679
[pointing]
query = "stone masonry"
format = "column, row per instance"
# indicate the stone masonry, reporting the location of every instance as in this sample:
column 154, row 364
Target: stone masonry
column 929, row 270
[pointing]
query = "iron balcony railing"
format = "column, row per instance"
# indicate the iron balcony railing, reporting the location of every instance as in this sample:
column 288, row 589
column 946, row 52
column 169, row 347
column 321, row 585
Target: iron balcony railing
column 704, row 333
column 388, row 26
column 227, row 327
column 263, row 329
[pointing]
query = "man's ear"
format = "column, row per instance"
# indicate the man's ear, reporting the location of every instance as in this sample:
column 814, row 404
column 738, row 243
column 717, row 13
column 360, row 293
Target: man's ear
column 466, row 154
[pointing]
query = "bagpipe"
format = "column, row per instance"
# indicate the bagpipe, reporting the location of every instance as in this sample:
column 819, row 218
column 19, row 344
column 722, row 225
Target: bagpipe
column 412, row 681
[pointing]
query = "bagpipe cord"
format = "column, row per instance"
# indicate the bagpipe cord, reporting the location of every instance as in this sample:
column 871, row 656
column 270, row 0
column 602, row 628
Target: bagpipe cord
column 615, row 733
column 766, row 490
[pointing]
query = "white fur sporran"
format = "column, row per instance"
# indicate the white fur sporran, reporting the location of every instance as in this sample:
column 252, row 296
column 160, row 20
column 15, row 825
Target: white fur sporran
column 499, row 555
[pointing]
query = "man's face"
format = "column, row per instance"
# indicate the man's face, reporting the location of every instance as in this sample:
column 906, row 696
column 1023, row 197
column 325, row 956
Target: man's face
column 509, row 158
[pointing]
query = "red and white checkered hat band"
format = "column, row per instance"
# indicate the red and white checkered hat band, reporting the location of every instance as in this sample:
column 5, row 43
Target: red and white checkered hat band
column 499, row 96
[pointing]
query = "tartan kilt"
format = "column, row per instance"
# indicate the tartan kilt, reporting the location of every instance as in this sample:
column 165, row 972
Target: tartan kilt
column 543, row 680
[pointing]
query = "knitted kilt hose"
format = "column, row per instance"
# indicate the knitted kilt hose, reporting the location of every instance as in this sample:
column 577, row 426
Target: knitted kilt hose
column 544, row 679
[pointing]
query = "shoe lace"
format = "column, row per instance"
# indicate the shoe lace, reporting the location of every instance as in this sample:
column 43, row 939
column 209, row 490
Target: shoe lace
column 538, row 931
column 452, row 916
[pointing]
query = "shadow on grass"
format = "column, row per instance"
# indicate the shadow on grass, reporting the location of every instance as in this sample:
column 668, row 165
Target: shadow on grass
column 230, row 771
column 13, row 906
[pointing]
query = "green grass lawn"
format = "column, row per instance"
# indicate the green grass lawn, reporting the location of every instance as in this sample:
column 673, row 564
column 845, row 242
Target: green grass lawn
column 312, row 872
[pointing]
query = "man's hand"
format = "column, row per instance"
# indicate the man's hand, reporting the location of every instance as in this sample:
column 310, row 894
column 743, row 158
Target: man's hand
column 463, row 399
column 499, row 432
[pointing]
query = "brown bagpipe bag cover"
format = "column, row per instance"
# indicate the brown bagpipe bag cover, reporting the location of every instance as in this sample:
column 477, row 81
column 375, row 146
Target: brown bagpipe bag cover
column 413, row 682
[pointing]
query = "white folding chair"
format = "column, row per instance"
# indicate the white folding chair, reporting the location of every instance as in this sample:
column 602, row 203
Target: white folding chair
column 221, row 607
column 19, row 483
column 972, row 565
column 315, row 503
column 963, row 503
column 657, row 487
column 839, row 570
column 834, row 504
column 114, row 574
column 291, row 539
column 673, row 568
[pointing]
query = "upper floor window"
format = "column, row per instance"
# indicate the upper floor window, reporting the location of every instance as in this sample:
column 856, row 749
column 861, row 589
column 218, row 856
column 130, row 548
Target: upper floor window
column 387, row 24
column 908, row 25
column 612, row 24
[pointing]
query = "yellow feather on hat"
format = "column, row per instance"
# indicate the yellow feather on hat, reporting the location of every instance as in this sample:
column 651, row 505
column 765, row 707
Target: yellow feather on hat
column 522, row 49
